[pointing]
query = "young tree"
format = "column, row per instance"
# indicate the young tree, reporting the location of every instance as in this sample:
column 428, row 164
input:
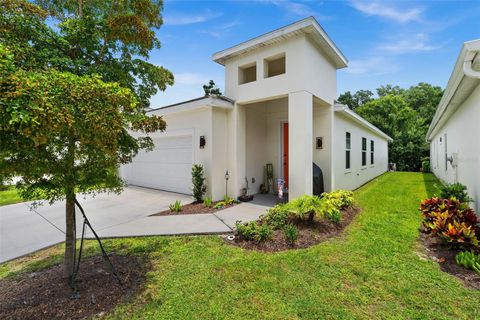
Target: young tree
column 64, row 134
column 198, row 182
column 211, row 89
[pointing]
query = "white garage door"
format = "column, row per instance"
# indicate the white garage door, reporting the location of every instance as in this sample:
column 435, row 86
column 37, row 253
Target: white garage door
column 167, row 167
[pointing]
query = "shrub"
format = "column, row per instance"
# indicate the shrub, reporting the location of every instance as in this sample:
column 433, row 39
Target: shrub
column 176, row 206
column 207, row 202
column 228, row 201
column 426, row 164
column 198, row 181
column 219, row 205
column 305, row 207
column 253, row 231
column 469, row 260
column 291, row 233
column 277, row 216
column 342, row 198
column 449, row 219
column 455, row 190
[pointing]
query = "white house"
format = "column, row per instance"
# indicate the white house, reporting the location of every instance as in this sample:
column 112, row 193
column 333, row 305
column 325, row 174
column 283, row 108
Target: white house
column 454, row 133
column 279, row 108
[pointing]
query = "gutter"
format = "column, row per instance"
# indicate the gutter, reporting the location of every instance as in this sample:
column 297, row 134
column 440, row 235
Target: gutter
column 463, row 75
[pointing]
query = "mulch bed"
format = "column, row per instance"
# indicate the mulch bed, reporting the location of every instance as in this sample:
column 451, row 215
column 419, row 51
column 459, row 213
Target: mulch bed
column 194, row 207
column 309, row 234
column 46, row 295
column 445, row 256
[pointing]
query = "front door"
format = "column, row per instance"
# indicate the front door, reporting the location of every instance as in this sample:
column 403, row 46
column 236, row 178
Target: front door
column 285, row 153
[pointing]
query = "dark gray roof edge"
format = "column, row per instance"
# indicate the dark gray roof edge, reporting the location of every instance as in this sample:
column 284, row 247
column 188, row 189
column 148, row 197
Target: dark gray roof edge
column 192, row 100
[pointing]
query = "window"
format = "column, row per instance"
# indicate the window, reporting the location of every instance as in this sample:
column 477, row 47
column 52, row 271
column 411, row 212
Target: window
column 274, row 66
column 364, row 152
column 372, row 150
column 347, row 150
column 247, row 73
column 446, row 155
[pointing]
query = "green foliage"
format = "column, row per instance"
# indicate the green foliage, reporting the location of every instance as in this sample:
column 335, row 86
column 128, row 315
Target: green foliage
column 426, row 164
column 469, row 260
column 176, row 206
column 198, row 181
column 452, row 221
column 211, row 89
column 455, row 190
column 228, row 201
column 403, row 114
column 207, row 202
column 306, row 207
column 290, row 232
column 355, row 100
column 341, row 198
column 277, row 216
column 253, row 231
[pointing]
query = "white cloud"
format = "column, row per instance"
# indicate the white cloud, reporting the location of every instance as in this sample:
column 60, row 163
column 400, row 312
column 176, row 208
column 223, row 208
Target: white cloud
column 189, row 78
column 219, row 31
column 372, row 66
column 416, row 43
column 383, row 10
column 179, row 19
column 296, row 8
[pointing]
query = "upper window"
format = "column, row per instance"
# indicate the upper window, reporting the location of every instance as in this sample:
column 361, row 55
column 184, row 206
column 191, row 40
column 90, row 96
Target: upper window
column 364, row 151
column 247, row 73
column 347, row 150
column 274, row 66
column 372, row 150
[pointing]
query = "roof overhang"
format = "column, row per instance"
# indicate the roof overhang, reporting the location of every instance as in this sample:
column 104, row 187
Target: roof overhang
column 463, row 80
column 207, row 101
column 308, row 26
column 350, row 114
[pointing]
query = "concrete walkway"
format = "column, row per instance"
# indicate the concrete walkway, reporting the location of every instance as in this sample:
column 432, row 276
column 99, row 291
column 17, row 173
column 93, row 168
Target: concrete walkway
column 23, row 231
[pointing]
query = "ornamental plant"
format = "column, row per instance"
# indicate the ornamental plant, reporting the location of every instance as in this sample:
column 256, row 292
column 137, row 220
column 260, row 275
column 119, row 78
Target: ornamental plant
column 469, row 260
column 198, row 182
column 455, row 190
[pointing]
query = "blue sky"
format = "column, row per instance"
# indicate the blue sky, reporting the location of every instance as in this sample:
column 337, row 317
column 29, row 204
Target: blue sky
column 396, row 42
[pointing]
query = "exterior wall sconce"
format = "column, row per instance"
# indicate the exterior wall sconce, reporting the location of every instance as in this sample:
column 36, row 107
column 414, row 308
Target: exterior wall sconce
column 203, row 142
column 319, row 143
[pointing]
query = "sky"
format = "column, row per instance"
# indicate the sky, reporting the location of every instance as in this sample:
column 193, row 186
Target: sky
column 386, row 42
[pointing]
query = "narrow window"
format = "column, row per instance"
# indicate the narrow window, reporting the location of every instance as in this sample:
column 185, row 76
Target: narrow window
column 347, row 150
column 446, row 155
column 372, row 150
column 364, row 151
column 247, row 73
column 274, row 66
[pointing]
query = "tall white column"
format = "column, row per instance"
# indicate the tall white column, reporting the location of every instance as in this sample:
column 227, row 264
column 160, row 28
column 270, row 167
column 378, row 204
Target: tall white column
column 300, row 143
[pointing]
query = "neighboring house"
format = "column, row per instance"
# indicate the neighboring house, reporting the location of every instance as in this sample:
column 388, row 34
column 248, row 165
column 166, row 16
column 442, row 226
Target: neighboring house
column 454, row 133
column 281, row 89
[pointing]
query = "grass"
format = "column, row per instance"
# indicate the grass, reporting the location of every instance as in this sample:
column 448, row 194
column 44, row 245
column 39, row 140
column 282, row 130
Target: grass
column 9, row 195
column 372, row 272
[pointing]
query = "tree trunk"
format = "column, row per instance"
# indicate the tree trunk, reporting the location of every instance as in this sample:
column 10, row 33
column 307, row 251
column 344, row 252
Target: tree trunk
column 70, row 235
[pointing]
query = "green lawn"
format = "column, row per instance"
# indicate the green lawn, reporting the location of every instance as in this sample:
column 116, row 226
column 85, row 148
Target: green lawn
column 9, row 196
column 372, row 272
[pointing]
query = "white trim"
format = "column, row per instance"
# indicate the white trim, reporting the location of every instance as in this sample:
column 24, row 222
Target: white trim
column 308, row 26
column 193, row 104
column 349, row 113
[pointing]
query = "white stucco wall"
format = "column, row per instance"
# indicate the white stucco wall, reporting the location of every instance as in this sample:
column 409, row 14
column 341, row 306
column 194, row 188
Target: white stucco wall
column 462, row 133
column 307, row 68
column 357, row 175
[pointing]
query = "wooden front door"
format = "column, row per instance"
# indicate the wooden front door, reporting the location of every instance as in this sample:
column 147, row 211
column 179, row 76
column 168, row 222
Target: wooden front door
column 285, row 153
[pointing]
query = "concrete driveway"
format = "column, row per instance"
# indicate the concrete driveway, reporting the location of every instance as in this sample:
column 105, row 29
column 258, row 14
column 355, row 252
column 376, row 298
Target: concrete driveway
column 23, row 231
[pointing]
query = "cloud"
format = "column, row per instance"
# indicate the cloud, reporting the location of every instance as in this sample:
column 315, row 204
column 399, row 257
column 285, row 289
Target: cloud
column 417, row 43
column 371, row 66
column 219, row 31
column 190, row 78
column 383, row 10
column 180, row 19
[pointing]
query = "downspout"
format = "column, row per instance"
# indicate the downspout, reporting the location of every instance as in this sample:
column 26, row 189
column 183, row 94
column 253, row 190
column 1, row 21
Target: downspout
column 468, row 65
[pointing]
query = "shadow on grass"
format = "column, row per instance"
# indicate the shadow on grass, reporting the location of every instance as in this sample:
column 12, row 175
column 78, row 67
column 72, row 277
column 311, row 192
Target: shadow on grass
column 432, row 184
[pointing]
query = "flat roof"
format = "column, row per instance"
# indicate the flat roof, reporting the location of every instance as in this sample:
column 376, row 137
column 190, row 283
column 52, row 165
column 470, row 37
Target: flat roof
column 207, row 99
column 308, row 26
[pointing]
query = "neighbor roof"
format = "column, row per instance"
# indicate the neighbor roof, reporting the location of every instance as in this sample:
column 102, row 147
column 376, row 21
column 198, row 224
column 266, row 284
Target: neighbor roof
column 459, row 85
column 349, row 113
column 209, row 101
column 308, row 26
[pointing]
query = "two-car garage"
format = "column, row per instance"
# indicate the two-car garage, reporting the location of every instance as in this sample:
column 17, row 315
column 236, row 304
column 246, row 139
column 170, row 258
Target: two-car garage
column 167, row 167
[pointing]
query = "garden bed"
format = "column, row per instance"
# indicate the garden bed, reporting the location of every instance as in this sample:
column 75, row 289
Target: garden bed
column 444, row 254
column 46, row 295
column 309, row 234
column 194, row 207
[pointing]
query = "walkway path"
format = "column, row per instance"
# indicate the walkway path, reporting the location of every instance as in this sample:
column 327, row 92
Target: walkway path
column 23, row 231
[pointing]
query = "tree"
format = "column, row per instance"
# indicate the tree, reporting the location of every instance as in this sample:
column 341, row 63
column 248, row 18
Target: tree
column 356, row 100
column 424, row 98
column 71, row 92
column 65, row 134
column 211, row 89
column 198, row 182
column 388, row 89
